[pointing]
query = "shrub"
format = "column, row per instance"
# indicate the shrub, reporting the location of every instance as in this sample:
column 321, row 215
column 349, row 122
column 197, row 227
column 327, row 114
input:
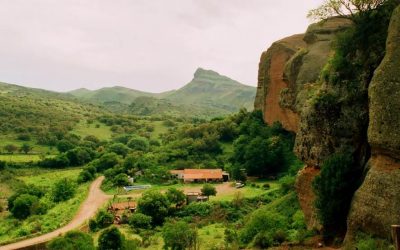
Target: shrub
column 208, row 190
column 140, row 221
column 263, row 224
column 179, row 235
column 63, row 190
column 21, row 208
column 72, row 240
column 111, row 239
column 104, row 219
column 334, row 188
column 175, row 196
column 201, row 209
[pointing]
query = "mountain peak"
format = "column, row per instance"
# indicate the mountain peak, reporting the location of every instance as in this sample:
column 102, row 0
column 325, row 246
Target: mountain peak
column 205, row 72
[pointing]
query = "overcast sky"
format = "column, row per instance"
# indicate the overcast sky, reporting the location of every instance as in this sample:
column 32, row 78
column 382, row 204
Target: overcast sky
column 150, row 45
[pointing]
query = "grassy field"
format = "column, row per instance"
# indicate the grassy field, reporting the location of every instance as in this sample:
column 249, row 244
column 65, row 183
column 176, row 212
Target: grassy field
column 58, row 215
column 159, row 128
column 22, row 157
column 97, row 129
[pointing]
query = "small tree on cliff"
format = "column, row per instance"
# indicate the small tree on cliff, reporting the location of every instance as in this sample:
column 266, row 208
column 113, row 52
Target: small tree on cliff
column 343, row 8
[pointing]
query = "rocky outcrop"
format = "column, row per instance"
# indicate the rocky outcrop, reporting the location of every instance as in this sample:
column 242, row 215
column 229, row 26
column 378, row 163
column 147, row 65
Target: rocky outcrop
column 376, row 205
column 271, row 82
column 306, row 195
column 287, row 79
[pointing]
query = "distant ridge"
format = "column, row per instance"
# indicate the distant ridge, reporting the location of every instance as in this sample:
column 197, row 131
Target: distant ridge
column 208, row 90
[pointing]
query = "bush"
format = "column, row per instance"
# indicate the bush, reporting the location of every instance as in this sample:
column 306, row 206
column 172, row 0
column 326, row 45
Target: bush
column 111, row 239
column 264, row 224
column 334, row 188
column 63, row 190
column 201, row 209
column 103, row 219
column 22, row 205
column 179, row 235
column 139, row 144
column 175, row 196
column 208, row 190
column 140, row 221
column 72, row 240
column 287, row 183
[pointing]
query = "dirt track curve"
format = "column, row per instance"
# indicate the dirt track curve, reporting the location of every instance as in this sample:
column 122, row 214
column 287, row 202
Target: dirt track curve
column 96, row 198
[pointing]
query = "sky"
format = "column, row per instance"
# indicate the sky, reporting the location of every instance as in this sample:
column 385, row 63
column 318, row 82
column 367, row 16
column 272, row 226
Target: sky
column 149, row 45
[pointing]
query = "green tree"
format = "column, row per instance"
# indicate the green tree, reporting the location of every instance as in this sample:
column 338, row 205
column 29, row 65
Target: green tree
column 71, row 241
column 140, row 221
column 344, row 8
column 10, row 148
column 179, row 236
column 175, row 196
column 121, row 180
column 111, row 239
column 208, row 190
column 104, row 219
column 63, row 190
column 64, row 145
column 139, row 143
column 119, row 149
column 334, row 188
column 22, row 205
column 26, row 148
column 154, row 204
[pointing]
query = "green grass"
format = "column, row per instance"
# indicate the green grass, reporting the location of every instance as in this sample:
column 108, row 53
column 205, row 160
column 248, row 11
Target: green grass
column 22, row 157
column 83, row 129
column 47, row 178
column 212, row 236
column 159, row 128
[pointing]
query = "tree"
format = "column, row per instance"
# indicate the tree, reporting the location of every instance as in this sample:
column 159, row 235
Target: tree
column 154, row 204
column 26, row 148
column 72, row 240
column 179, row 236
column 63, row 190
column 175, row 196
column 343, row 8
column 120, row 180
column 139, row 143
column 334, row 189
column 104, row 218
column 119, row 149
column 208, row 190
column 140, row 221
column 21, row 208
column 64, row 145
column 111, row 239
column 10, row 148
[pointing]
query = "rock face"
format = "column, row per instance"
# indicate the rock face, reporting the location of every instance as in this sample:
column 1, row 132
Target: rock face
column 288, row 72
column 376, row 205
column 271, row 82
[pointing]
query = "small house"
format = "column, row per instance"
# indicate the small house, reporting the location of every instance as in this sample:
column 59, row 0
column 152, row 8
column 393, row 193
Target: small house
column 201, row 175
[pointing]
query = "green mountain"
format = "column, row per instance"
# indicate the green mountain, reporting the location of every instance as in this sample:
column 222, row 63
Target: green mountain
column 208, row 94
column 208, row 88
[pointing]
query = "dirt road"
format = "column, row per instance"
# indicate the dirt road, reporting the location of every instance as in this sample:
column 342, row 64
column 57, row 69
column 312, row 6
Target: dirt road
column 96, row 198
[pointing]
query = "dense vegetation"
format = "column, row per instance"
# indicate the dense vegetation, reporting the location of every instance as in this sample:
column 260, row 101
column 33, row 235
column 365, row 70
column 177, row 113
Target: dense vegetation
column 345, row 79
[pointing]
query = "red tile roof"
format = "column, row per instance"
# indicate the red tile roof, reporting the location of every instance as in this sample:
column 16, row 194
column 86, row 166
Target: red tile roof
column 202, row 174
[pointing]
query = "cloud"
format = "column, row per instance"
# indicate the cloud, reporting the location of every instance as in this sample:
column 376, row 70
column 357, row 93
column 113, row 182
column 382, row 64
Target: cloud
column 148, row 45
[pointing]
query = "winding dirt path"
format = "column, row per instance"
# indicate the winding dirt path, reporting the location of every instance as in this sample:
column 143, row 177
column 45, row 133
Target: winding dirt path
column 96, row 198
